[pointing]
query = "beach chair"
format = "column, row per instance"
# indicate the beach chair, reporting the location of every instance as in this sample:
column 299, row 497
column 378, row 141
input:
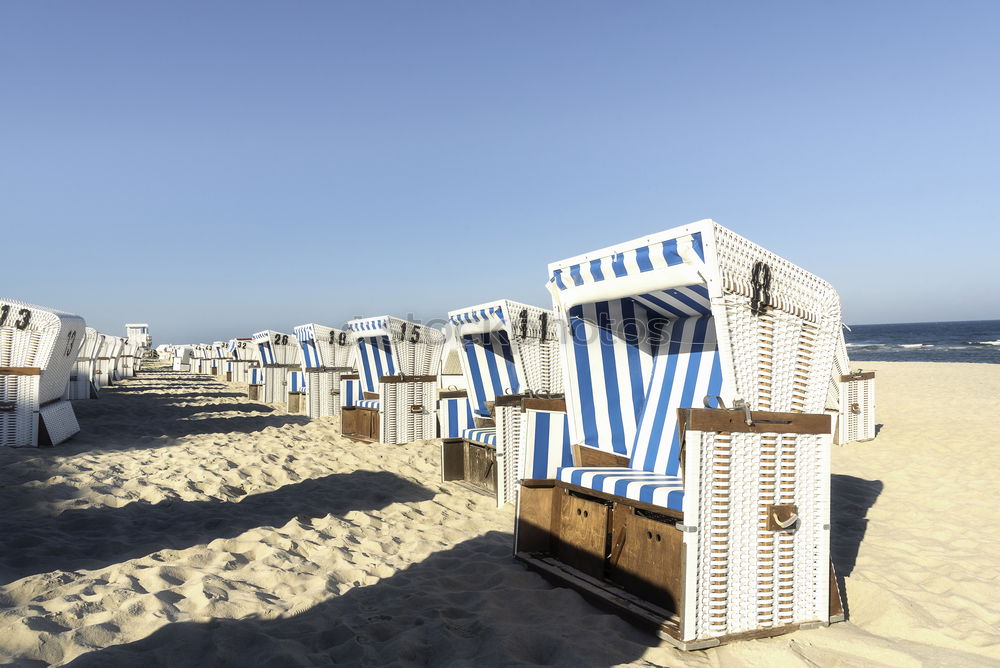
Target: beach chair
column 38, row 350
column 244, row 354
column 131, row 356
column 104, row 366
column 218, row 356
column 279, row 354
column 181, row 358
column 81, row 378
column 327, row 355
column 509, row 354
column 853, row 395
column 698, row 501
column 398, row 362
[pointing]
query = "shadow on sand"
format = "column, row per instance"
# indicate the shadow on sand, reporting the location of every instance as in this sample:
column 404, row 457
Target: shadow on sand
column 850, row 500
column 93, row 538
column 471, row 605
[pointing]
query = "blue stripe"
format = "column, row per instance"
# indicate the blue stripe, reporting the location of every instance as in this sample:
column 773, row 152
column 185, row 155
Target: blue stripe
column 567, row 449
column 574, row 273
column 618, row 264
column 540, row 451
column 660, row 410
column 642, row 259
column 452, row 417
column 557, row 277
column 578, row 331
column 631, row 335
column 697, row 245
column 687, row 396
column 491, row 364
column 475, row 372
column 508, row 356
column 595, row 270
column 607, row 343
column 363, row 349
column 670, row 253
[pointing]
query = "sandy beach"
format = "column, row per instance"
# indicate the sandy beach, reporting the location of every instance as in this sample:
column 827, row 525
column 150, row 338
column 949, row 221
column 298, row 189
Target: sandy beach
column 187, row 525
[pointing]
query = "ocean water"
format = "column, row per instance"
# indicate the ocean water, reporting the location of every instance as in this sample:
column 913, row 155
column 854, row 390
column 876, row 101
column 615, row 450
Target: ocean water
column 972, row 341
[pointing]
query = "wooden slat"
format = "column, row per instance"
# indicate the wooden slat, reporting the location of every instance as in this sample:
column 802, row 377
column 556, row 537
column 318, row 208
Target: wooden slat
column 452, row 394
column 860, row 375
column 545, row 405
column 407, row 379
column 20, row 371
column 586, row 456
column 766, row 422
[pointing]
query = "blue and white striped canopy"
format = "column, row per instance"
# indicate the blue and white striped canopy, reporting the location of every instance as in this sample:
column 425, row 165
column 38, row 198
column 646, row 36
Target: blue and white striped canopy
column 641, row 344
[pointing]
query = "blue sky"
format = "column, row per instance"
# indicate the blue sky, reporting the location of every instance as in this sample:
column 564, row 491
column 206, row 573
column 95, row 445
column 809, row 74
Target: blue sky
column 218, row 168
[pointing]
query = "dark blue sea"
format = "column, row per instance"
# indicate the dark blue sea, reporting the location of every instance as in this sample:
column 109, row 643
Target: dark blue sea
column 972, row 341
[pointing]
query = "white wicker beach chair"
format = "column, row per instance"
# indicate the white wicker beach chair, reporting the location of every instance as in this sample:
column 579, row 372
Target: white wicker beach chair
column 181, row 358
column 707, row 524
column 241, row 352
column 327, row 355
column 38, row 350
column 510, row 360
column 81, row 380
column 279, row 354
column 398, row 362
column 853, row 393
column 104, row 366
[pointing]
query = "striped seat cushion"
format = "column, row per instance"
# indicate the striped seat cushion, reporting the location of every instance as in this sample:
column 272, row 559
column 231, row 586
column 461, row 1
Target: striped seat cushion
column 369, row 403
column 666, row 491
column 486, row 435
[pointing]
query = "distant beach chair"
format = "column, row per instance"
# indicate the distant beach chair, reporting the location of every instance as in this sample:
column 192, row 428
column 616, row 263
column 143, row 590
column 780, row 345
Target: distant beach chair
column 705, row 524
column 181, row 358
column 509, row 354
column 81, row 380
column 398, row 362
column 327, row 355
column 241, row 354
column 140, row 343
column 279, row 354
column 38, row 350
column 196, row 363
column 218, row 356
column 104, row 367
column 854, row 395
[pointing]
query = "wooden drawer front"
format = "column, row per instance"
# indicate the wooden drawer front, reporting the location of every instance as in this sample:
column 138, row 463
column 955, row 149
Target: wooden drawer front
column 646, row 557
column 481, row 466
column 360, row 422
column 583, row 534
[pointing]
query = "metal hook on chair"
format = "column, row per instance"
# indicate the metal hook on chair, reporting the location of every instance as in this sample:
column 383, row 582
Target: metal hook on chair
column 739, row 404
column 719, row 403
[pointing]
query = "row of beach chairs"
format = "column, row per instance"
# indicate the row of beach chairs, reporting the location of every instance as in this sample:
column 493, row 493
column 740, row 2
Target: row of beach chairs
column 664, row 428
column 48, row 359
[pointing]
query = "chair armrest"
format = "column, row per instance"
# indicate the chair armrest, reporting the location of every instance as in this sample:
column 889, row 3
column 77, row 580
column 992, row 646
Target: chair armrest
column 584, row 455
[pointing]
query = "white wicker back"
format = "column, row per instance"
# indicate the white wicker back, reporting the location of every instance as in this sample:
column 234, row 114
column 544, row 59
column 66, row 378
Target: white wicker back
column 277, row 348
column 39, row 346
column 325, row 347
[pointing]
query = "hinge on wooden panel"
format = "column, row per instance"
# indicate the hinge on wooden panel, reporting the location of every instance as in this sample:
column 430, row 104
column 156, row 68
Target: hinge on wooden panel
column 686, row 528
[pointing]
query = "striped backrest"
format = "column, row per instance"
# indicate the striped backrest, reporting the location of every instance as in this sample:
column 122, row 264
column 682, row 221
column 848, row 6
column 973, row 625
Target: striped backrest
column 686, row 368
column 547, row 445
column 490, row 368
column 375, row 360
